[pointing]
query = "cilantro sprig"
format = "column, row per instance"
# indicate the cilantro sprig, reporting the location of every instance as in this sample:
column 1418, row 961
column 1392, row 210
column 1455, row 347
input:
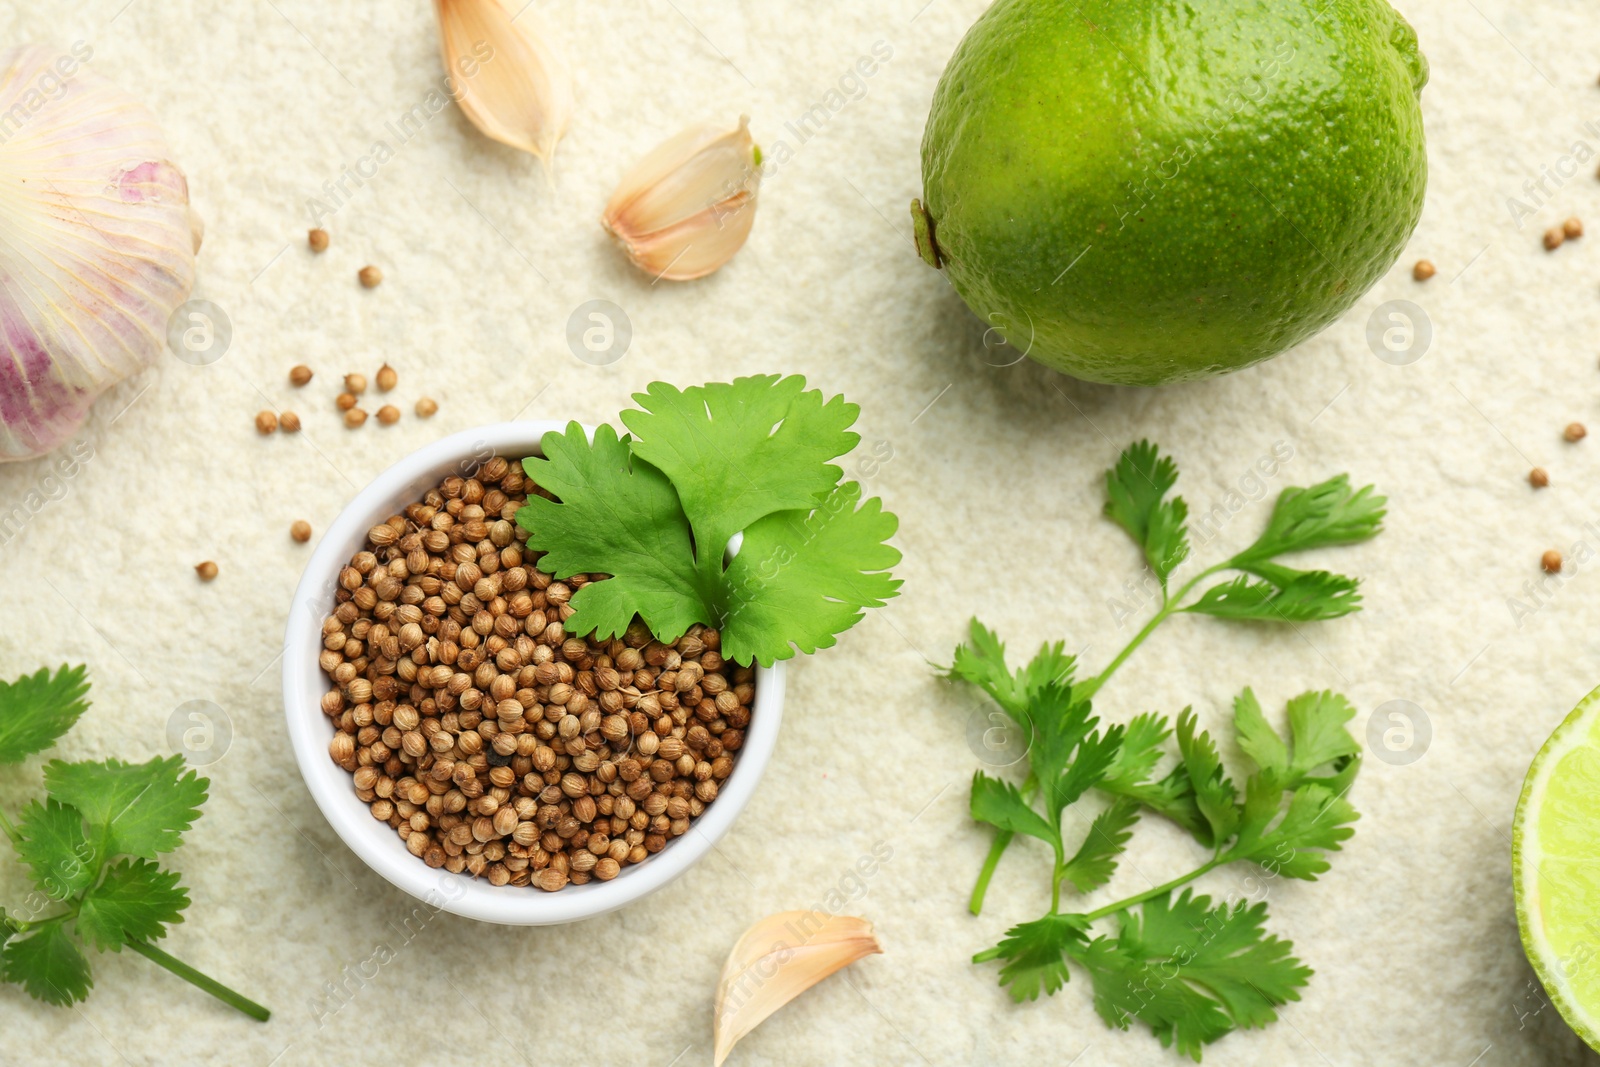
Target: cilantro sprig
column 1189, row 969
column 1264, row 588
column 91, row 847
column 656, row 511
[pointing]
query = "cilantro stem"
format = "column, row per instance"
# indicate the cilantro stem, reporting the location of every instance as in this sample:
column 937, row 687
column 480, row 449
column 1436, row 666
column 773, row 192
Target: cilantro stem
column 8, row 827
column 1170, row 605
column 195, row 978
column 1002, row 841
column 1160, row 890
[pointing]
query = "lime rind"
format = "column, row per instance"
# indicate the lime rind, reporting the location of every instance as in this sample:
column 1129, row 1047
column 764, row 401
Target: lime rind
column 1545, row 881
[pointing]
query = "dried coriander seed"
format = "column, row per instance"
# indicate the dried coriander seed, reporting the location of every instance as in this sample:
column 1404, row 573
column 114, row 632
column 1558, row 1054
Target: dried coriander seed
column 300, row 375
column 207, row 570
column 1423, row 270
column 300, row 530
column 1551, row 562
column 1575, row 432
column 388, row 415
column 491, row 741
column 427, row 407
column 318, row 240
column 355, row 418
column 370, row 277
column 1572, row 228
column 355, row 384
column 1538, row 478
column 387, row 378
column 266, row 423
column 289, row 422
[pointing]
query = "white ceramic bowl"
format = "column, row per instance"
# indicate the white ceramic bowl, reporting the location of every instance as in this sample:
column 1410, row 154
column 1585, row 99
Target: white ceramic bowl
column 379, row 846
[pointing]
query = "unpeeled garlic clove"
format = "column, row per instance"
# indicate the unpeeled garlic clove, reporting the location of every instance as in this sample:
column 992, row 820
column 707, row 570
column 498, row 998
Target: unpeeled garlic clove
column 506, row 73
column 687, row 206
column 776, row 960
column 97, row 243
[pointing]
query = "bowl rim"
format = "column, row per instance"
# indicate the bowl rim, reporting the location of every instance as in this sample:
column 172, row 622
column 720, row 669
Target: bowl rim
column 378, row 846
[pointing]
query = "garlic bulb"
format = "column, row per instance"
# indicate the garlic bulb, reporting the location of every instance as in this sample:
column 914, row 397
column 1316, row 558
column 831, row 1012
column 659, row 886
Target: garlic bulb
column 97, row 243
column 687, row 207
column 776, row 960
column 505, row 73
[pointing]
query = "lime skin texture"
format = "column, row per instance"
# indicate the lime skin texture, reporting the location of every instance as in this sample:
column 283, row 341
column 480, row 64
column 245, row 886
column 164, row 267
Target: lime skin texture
column 1142, row 192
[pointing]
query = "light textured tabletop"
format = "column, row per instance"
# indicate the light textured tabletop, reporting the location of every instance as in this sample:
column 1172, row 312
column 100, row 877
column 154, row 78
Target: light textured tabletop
column 994, row 474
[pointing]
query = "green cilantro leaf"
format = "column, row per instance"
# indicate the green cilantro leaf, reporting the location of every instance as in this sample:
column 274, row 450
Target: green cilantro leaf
column 1128, row 987
column 1327, row 514
column 618, row 515
column 737, row 452
column 48, row 964
column 1035, row 955
column 1304, row 596
column 982, row 662
column 1095, row 861
column 1094, row 756
column 1171, row 796
column 1316, row 823
column 136, row 901
column 35, row 710
column 1192, row 972
column 137, row 809
column 1059, row 723
column 1317, row 724
column 1317, row 729
column 1214, row 793
column 1136, row 491
column 801, row 578
column 1140, row 751
column 50, row 840
column 654, row 513
column 1000, row 804
column 1257, row 738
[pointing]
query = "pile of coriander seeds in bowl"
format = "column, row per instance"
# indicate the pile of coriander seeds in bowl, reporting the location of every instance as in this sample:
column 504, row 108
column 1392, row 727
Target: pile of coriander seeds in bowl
column 493, row 742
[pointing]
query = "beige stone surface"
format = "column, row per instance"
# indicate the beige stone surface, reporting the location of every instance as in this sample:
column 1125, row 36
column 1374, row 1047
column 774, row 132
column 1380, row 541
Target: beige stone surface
column 994, row 473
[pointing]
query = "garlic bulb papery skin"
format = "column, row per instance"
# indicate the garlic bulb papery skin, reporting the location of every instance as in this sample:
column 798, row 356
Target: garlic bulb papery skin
column 97, row 243
column 506, row 73
column 687, row 207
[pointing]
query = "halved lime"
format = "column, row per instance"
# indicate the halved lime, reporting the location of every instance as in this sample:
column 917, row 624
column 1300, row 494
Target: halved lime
column 1555, row 863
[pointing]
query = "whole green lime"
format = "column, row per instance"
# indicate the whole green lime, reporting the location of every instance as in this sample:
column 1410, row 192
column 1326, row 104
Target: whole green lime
column 1151, row 191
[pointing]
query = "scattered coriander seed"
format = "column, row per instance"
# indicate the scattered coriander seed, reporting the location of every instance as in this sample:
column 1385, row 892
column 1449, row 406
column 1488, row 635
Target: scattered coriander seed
column 1574, row 431
column 489, row 739
column 388, row 415
column 354, row 418
column 207, row 571
column 1538, row 478
column 1572, row 228
column 300, row 531
column 387, row 378
column 371, row 277
column 299, row 375
column 266, row 423
column 289, row 422
column 1551, row 562
column 318, row 240
column 427, row 407
column 346, row 401
column 1553, row 237
column 1423, row 270
column 355, row 383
